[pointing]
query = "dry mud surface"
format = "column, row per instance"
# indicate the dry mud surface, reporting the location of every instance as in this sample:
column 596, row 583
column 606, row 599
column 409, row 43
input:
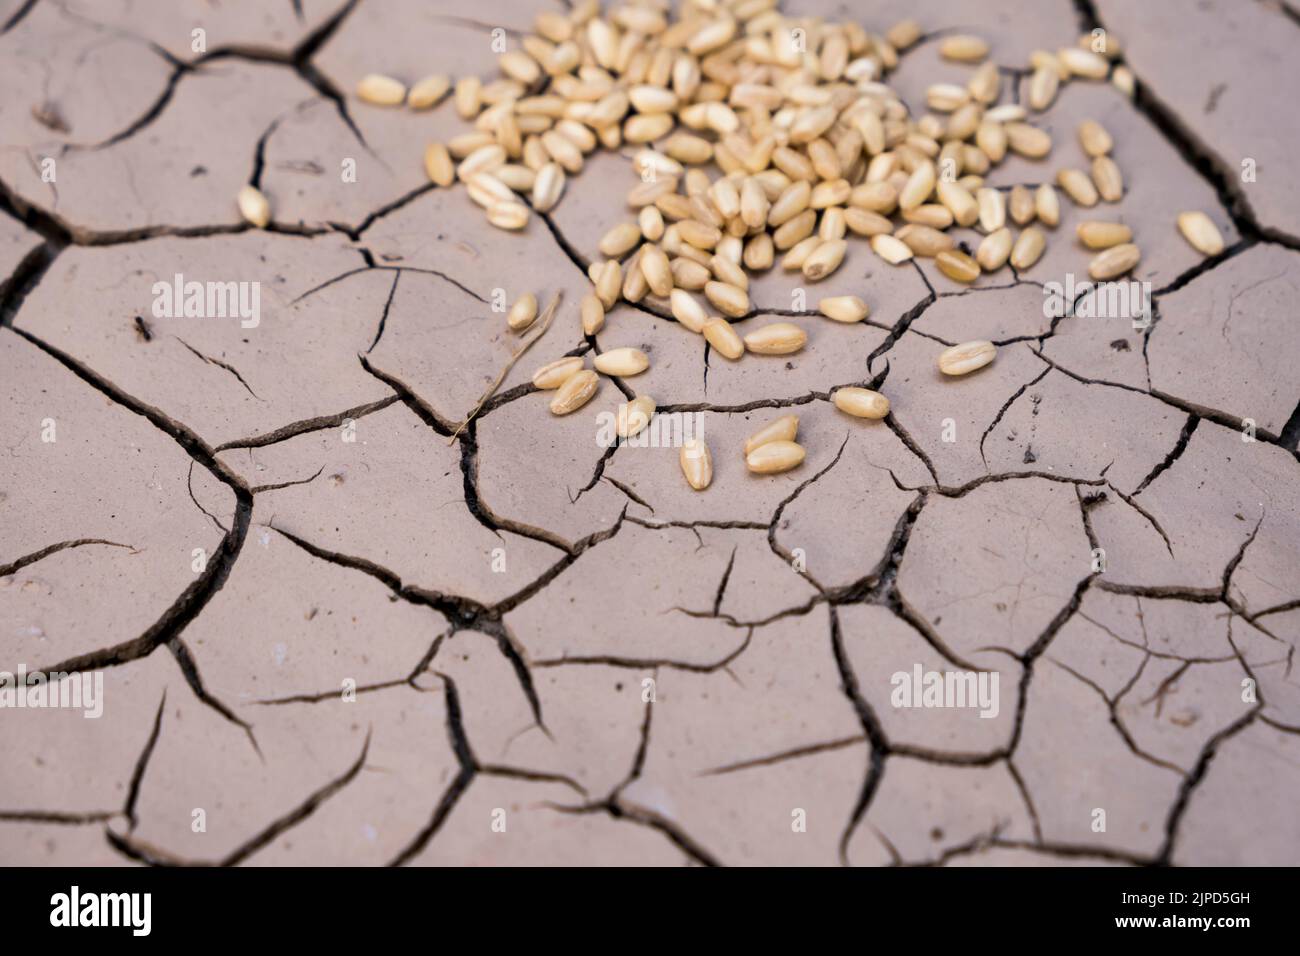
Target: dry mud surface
column 569, row 644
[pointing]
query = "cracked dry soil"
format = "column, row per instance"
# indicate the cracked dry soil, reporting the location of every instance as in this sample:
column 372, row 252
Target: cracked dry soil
column 231, row 524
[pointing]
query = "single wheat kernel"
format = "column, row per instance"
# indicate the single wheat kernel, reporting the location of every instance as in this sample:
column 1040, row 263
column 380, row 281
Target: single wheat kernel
column 609, row 283
column 793, row 200
column 992, row 209
column 862, row 222
column 1114, row 262
column 620, row 240
column 646, row 128
column 1108, row 179
column 563, row 150
column 824, row 260
column 985, row 83
column 461, row 146
column 785, row 428
column 554, row 374
column 903, row 34
column 794, row 259
column 925, row 241
column 655, row 267
column 622, row 362
column 697, row 463
column 958, row 266
column 469, row 96
column 381, row 90
column 691, row 275
column 635, row 415
column 483, row 160
column 254, row 206
column 1198, row 229
column 548, row 187
column 634, row 285
column 879, row 197
column 486, row 190
column 963, row 206
column 438, row 165
column 759, row 253
column 930, row 215
column 963, row 48
column 861, row 402
column 428, row 92
column 946, row 97
column 1007, row 113
column 651, row 222
column 994, row 250
column 522, row 313
column 918, row 188
column 1042, row 87
column 1094, row 138
column 519, row 178
column 1077, row 186
column 843, row 308
column 991, row 138
column 576, row 391
column 724, row 339
column 1047, row 205
column 1084, row 63
column 698, row 234
column 1124, row 81
column 1029, row 141
column 891, row 249
column 728, row 299
column 796, row 230
column 687, row 310
column 776, row 338
column 1028, row 248
column 1021, row 205
column 774, row 457
column 592, row 313
column 967, row 357
column 1103, row 235
column 725, row 270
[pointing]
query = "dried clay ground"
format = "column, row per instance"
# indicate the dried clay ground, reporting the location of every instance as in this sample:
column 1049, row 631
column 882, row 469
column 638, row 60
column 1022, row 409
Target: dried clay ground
column 569, row 640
